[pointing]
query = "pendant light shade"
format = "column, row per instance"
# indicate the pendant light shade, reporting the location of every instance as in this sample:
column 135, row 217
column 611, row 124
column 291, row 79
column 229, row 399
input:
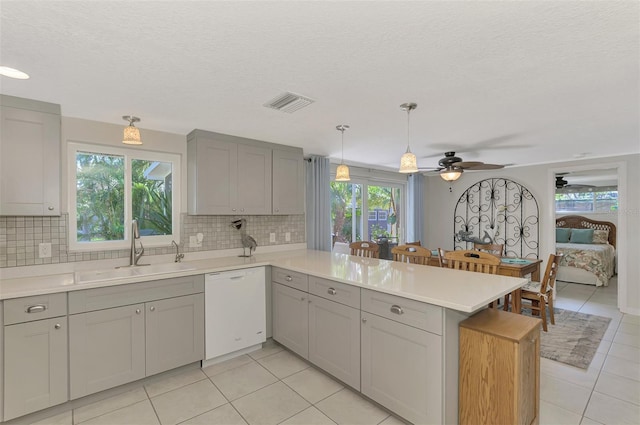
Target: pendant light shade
column 131, row 133
column 408, row 161
column 451, row 173
column 342, row 172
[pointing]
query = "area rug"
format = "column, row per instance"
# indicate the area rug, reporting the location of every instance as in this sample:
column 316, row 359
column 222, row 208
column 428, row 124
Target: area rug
column 574, row 338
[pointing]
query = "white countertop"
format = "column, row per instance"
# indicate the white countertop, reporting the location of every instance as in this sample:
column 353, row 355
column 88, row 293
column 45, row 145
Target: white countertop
column 457, row 290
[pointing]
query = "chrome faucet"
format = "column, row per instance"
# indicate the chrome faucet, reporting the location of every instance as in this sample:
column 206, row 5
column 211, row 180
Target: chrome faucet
column 179, row 256
column 134, row 255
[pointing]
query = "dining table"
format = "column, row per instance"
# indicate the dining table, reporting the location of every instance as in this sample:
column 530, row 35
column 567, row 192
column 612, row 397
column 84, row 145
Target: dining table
column 509, row 266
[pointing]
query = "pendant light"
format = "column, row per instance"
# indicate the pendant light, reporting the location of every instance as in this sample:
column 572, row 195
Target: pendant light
column 408, row 161
column 131, row 133
column 342, row 172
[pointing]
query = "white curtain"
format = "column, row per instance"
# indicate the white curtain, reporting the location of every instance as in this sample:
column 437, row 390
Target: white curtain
column 415, row 209
column 318, row 203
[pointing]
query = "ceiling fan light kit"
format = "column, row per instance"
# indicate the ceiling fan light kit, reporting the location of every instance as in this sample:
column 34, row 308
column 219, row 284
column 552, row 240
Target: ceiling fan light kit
column 408, row 161
column 342, row 172
column 451, row 173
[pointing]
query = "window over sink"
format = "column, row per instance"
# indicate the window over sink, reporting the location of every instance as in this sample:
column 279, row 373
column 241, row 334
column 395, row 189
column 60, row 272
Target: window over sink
column 110, row 186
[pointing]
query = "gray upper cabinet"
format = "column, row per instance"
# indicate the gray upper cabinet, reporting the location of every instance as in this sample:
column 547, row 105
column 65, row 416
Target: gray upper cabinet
column 288, row 182
column 225, row 177
column 29, row 157
column 230, row 175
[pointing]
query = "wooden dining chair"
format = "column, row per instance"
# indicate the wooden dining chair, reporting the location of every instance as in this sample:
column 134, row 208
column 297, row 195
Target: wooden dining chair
column 492, row 248
column 365, row 249
column 540, row 294
column 441, row 260
column 411, row 254
column 473, row 261
column 417, row 243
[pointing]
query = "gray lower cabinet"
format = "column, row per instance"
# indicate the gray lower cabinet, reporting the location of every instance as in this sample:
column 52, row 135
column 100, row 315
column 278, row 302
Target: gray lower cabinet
column 107, row 348
column 334, row 339
column 174, row 332
column 402, row 368
column 119, row 334
column 35, row 366
column 291, row 318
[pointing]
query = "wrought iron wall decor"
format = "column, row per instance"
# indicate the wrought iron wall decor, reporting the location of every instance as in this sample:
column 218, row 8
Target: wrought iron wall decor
column 498, row 211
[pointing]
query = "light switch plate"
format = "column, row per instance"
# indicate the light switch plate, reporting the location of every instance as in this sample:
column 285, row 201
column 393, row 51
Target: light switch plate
column 44, row 250
column 287, row 237
column 272, row 237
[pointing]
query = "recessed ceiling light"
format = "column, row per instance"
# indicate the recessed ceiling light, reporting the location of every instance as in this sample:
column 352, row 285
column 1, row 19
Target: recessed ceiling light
column 13, row 73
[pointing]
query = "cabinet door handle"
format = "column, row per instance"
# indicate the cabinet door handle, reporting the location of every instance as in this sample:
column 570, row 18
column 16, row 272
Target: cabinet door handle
column 138, row 311
column 50, row 208
column 233, row 209
column 288, row 278
column 301, row 298
column 152, row 308
column 396, row 309
column 36, row 308
column 57, row 326
column 241, row 209
column 364, row 320
column 331, row 291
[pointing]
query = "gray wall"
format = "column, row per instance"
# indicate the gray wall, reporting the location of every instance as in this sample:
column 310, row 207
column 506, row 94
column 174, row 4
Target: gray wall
column 440, row 204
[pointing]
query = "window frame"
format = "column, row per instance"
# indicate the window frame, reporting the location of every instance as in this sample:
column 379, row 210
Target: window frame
column 129, row 154
column 593, row 202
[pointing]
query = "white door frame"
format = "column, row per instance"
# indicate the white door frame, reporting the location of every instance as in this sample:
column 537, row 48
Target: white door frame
column 621, row 234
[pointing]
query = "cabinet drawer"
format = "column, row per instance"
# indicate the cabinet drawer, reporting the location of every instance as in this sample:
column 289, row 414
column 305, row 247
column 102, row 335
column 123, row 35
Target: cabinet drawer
column 38, row 307
column 295, row 280
column 134, row 293
column 410, row 312
column 335, row 291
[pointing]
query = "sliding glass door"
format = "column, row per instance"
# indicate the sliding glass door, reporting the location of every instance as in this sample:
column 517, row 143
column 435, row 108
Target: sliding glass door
column 356, row 217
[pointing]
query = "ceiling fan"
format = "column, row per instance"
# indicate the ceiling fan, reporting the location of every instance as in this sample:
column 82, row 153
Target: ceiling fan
column 452, row 166
column 562, row 183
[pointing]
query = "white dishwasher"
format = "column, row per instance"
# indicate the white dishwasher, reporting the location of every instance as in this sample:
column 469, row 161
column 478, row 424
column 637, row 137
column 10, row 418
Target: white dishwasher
column 235, row 313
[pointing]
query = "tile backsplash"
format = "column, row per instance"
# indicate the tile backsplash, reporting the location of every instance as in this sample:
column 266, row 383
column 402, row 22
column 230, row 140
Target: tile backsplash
column 20, row 237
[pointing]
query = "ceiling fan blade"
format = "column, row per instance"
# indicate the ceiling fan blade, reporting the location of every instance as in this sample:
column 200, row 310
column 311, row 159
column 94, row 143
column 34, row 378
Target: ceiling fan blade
column 468, row 164
column 483, row 166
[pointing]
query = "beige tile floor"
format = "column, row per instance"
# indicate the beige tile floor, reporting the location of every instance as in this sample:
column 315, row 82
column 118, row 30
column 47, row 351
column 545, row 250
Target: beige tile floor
column 272, row 386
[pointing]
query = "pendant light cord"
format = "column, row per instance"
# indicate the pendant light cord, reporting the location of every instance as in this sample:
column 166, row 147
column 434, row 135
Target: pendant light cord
column 342, row 131
column 408, row 128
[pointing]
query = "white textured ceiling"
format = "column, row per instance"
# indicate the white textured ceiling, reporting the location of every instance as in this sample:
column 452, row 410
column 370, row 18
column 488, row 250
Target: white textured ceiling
column 505, row 82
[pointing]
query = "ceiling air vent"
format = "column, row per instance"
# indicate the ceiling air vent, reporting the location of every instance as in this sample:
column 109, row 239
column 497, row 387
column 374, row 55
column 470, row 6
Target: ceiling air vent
column 289, row 102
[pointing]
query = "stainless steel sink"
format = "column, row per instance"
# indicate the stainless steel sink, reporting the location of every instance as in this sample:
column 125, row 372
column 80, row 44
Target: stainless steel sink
column 127, row 272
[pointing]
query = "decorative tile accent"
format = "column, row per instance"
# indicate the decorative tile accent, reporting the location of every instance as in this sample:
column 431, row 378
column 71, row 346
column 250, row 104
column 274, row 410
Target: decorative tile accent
column 20, row 237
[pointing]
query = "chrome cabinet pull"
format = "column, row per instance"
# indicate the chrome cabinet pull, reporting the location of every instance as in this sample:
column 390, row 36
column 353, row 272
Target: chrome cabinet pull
column 364, row 320
column 396, row 309
column 138, row 311
column 36, row 308
column 331, row 291
column 288, row 278
column 152, row 308
column 57, row 326
column 50, row 208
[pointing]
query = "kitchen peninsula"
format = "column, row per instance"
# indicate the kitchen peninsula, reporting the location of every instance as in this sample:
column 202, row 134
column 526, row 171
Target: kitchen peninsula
column 391, row 309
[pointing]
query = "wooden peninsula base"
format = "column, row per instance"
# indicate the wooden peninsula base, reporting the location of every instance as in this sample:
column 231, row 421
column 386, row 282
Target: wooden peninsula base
column 499, row 369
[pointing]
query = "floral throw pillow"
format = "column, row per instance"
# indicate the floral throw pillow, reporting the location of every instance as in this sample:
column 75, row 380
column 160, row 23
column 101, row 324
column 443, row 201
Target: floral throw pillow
column 600, row 236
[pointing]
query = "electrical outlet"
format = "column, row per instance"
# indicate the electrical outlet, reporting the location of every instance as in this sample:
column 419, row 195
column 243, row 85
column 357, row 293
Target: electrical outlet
column 287, row 237
column 272, row 237
column 44, row 250
column 193, row 241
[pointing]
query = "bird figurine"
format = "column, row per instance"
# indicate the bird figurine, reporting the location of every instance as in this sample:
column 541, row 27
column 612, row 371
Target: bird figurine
column 247, row 241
